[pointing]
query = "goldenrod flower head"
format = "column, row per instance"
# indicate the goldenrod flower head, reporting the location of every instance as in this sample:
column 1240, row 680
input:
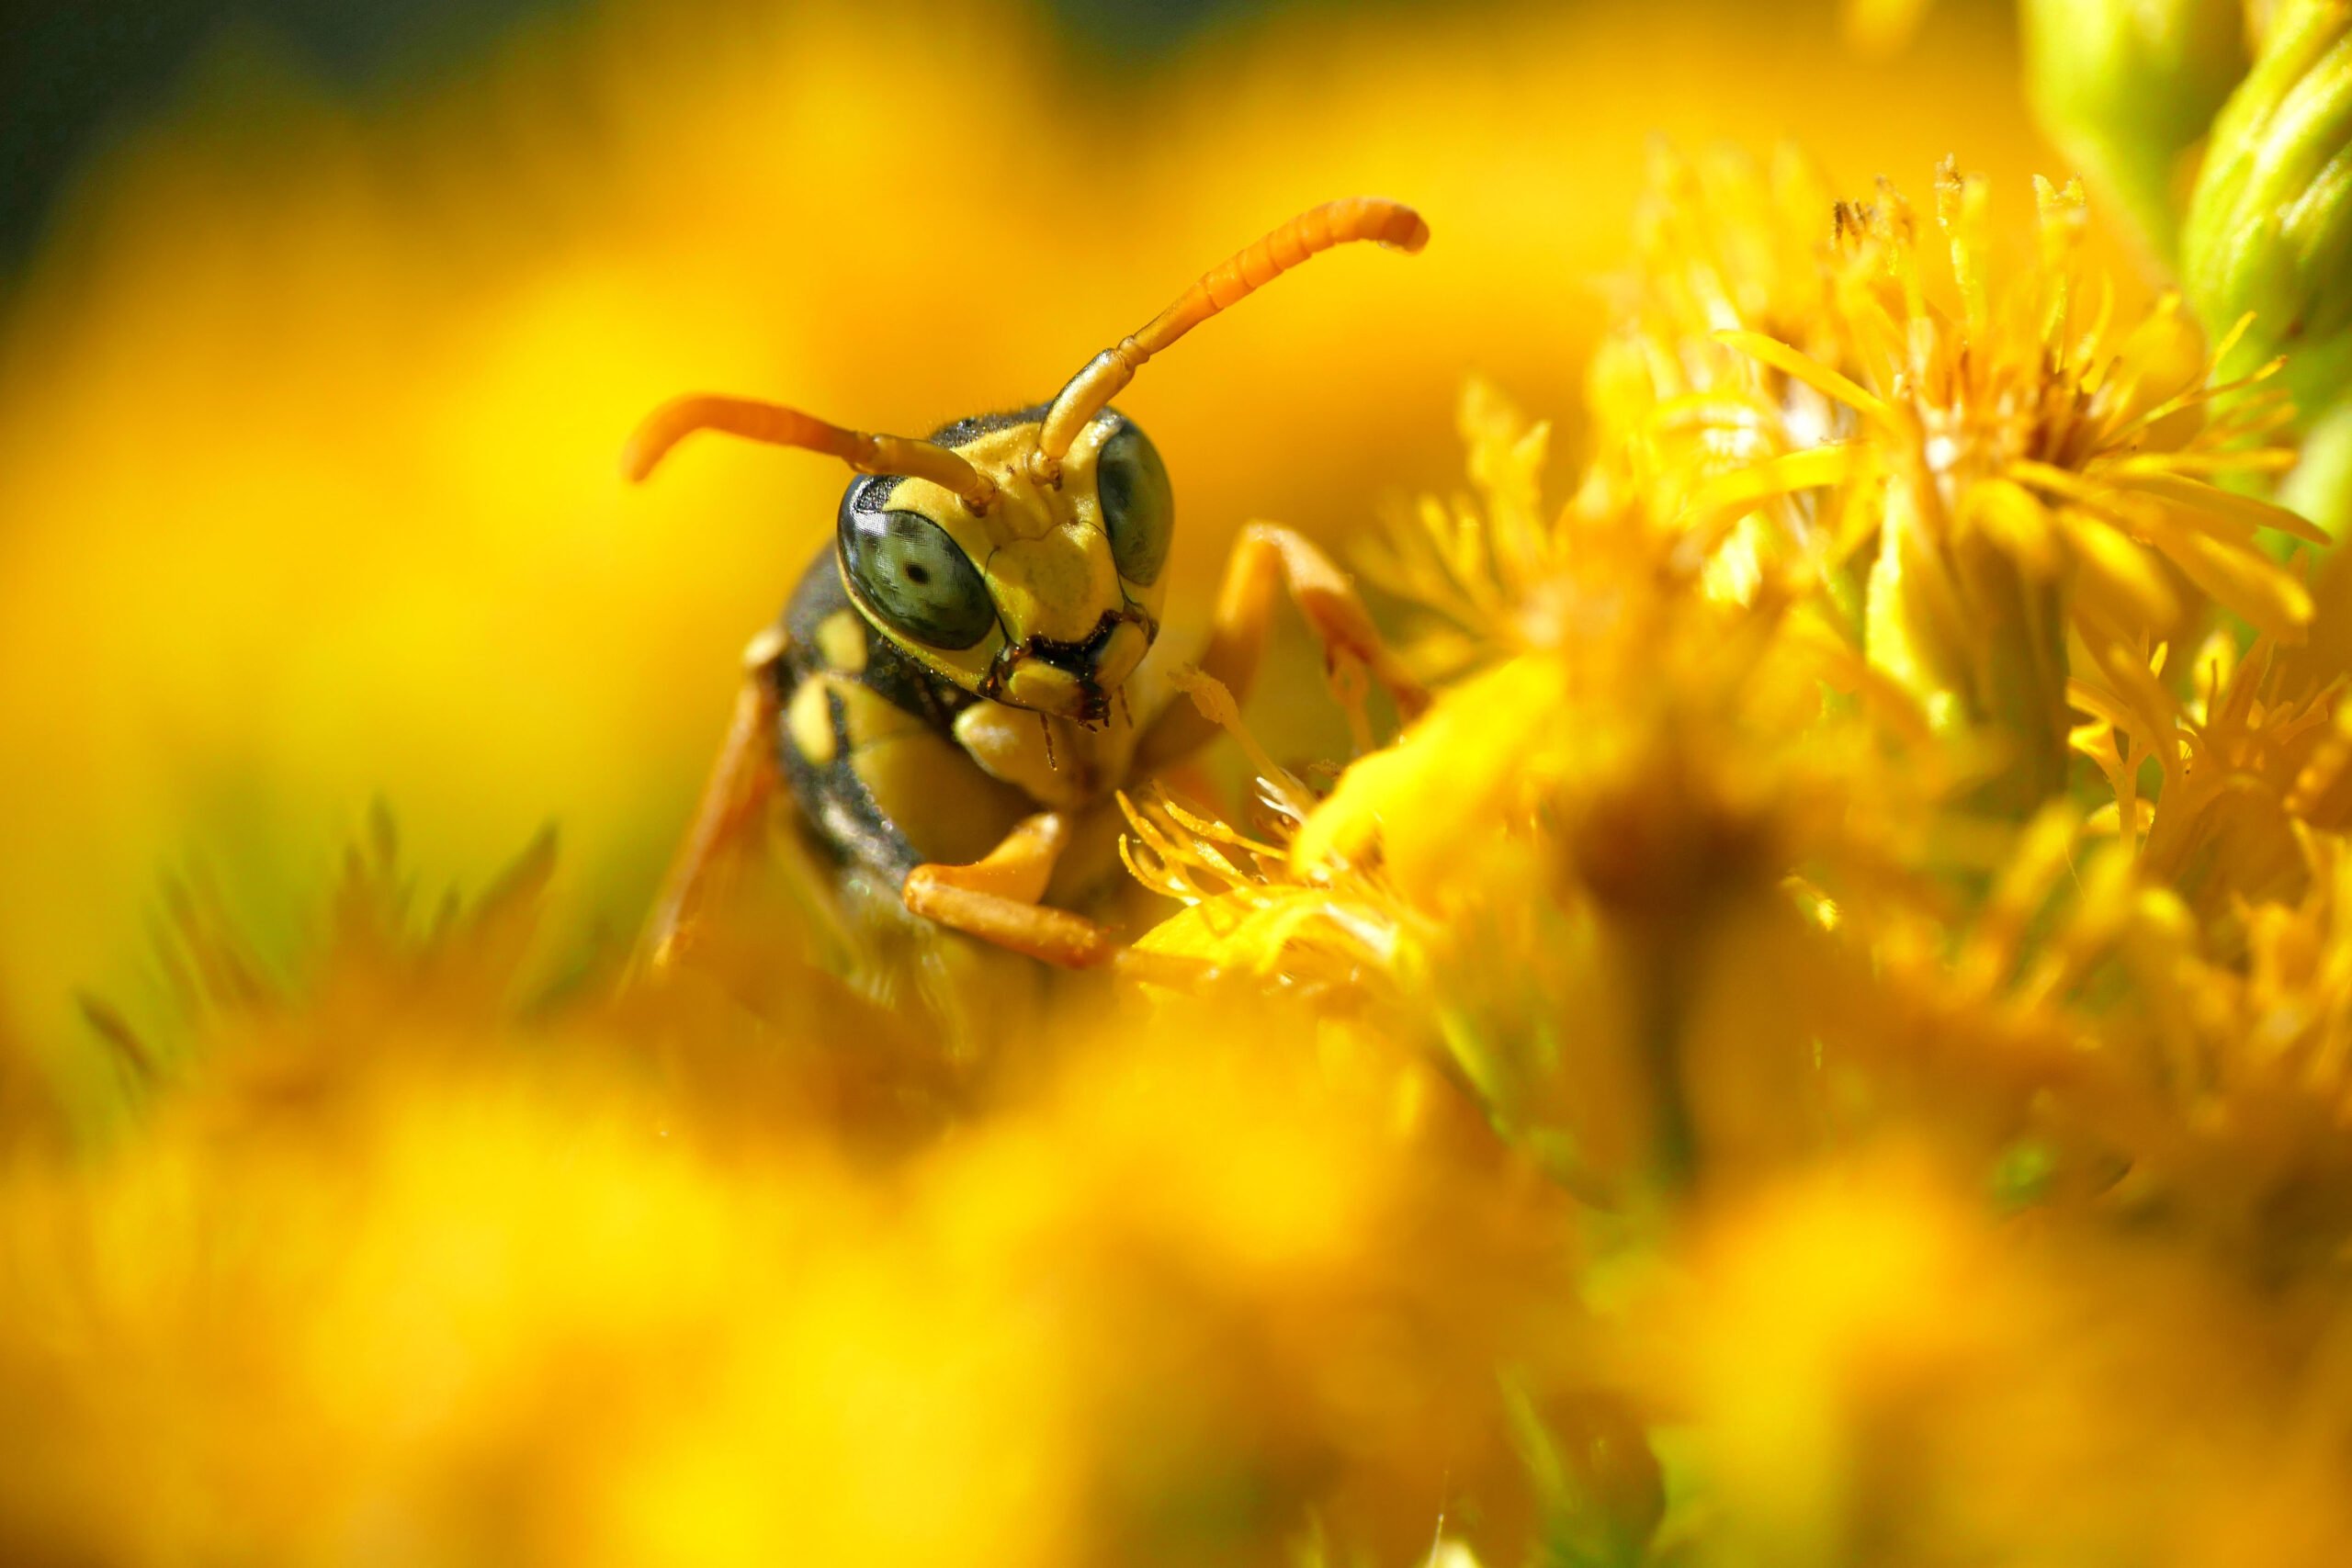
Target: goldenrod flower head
column 2014, row 457
column 2224, row 1077
column 2241, row 763
column 2029, row 418
column 1475, row 568
column 1721, row 245
column 2021, row 411
column 1625, row 770
column 1686, row 728
column 1246, row 911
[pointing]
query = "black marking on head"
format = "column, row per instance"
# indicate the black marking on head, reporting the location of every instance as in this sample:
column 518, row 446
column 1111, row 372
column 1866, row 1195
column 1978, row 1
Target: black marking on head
column 872, row 492
column 869, row 492
column 977, row 425
column 1076, row 657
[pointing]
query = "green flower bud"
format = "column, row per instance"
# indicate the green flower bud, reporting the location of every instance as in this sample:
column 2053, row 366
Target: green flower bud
column 2269, row 229
column 2125, row 88
column 2321, row 486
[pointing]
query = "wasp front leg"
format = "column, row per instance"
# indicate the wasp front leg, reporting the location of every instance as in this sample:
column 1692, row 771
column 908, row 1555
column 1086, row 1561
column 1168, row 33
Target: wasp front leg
column 734, row 803
column 996, row 898
column 1265, row 556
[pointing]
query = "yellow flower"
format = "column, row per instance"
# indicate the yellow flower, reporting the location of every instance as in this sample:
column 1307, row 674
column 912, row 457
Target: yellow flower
column 2239, row 1096
column 1695, row 763
column 2017, row 459
column 1571, row 877
column 1245, row 910
column 388, row 1268
column 2239, row 766
column 1475, row 569
column 1867, row 1366
column 1685, row 424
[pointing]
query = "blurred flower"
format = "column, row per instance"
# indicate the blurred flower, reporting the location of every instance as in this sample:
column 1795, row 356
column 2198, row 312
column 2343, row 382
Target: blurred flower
column 1873, row 1370
column 2248, row 1063
column 382, row 1269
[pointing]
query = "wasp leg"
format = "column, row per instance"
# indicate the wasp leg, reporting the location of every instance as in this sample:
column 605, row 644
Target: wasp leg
column 1263, row 556
column 734, row 803
column 995, row 898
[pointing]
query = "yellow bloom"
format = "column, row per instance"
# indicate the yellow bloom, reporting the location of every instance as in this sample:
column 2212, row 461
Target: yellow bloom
column 2015, row 459
column 1245, row 910
column 636, row 1283
column 1870, row 1369
column 1567, row 878
column 2239, row 766
column 1694, row 763
column 1686, row 425
column 2239, row 1096
column 1475, row 569
column 2027, row 419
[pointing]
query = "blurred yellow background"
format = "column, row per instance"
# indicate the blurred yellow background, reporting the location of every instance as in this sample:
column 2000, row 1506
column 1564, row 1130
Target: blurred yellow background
column 309, row 411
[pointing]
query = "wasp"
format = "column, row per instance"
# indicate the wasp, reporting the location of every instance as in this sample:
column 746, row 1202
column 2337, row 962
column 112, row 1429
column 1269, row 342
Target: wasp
column 944, row 700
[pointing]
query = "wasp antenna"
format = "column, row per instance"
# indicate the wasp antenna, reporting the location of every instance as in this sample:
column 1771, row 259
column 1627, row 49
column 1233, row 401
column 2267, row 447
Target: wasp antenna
column 1390, row 224
column 779, row 427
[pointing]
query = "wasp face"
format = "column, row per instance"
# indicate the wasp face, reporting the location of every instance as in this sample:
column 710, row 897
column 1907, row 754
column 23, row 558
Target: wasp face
column 1045, row 599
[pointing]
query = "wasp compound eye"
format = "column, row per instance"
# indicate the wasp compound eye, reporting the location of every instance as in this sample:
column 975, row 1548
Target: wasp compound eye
column 1138, row 508
column 905, row 567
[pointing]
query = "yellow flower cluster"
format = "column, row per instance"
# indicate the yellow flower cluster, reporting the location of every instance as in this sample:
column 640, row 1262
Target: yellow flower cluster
column 395, row 1278
column 1818, row 860
column 1829, row 1041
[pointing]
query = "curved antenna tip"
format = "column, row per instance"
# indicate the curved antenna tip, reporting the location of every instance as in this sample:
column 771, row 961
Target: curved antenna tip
column 638, row 464
column 1390, row 224
column 660, row 431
